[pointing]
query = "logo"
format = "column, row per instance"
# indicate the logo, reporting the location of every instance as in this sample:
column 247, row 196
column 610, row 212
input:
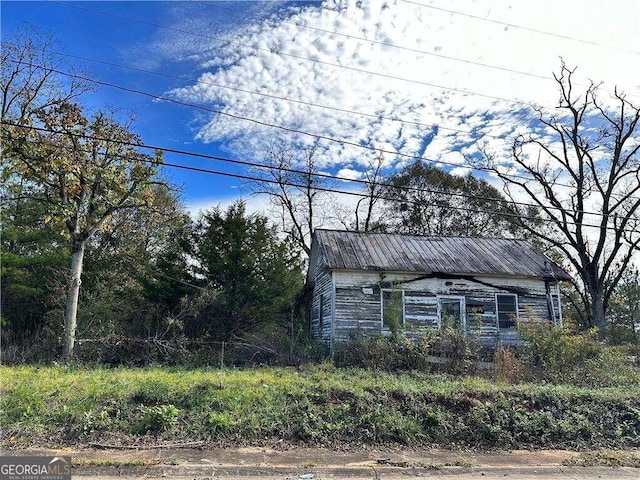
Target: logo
column 35, row 468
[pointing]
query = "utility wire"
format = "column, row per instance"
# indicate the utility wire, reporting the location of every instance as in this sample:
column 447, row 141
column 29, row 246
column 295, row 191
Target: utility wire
column 385, row 44
column 253, row 120
column 298, row 185
column 521, row 27
column 287, row 169
column 319, row 62
column 271, row 125
column 268, row 95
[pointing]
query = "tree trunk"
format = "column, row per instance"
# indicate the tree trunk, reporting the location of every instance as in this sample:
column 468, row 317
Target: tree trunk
column 71, row 311
column 598, row 314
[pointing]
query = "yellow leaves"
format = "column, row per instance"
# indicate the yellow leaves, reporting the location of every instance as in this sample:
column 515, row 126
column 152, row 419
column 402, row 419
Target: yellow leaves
column 148, row 196
column 74, row 190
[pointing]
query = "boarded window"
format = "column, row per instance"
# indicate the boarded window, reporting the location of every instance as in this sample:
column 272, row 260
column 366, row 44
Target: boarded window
column 321, row 313
column 507, row 308
column 392, row 309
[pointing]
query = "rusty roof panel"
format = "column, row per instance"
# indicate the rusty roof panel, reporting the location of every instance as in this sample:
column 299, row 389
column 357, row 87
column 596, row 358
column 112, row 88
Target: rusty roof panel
column 453, row 255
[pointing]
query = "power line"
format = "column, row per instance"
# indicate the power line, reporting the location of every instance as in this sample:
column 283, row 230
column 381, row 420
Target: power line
column 319, row 62
column 288, row 170
column 318, row 188
column 271, row 125
column 521, row 27
column 253, row 120
column 268, row 95
column 386, row 44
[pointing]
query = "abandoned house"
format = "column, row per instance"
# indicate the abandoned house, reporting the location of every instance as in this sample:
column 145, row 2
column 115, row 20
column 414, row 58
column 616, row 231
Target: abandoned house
column 373, row 283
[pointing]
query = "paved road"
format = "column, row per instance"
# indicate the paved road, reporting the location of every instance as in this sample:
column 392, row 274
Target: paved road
column 452, row 473
column 324, row 464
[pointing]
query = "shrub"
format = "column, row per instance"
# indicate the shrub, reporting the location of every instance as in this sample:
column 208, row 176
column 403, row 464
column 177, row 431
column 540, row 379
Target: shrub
column 508, row 367
column 553, row 354
column 448, row 351
column 157, row 419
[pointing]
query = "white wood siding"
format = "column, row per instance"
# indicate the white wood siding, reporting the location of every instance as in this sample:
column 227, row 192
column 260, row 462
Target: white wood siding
column 357, row 302
column 322, row 289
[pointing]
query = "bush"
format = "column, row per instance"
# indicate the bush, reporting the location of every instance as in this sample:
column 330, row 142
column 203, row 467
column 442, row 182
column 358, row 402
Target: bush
column 156, row 419
column 448, row 351
column 555, row 355
column 508, row 367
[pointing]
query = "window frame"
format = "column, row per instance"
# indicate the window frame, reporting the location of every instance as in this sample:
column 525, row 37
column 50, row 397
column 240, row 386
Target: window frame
column 516, row 312
column 383, row 327
column 463, row 307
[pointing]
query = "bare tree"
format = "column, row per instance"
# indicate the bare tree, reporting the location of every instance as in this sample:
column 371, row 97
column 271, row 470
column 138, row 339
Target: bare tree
column 582, row 170
column 30, row 77
column 293, row 185
column 374, row 189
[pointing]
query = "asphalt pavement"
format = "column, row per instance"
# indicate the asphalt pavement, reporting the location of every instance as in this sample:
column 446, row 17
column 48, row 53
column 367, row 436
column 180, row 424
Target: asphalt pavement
column 276, row 462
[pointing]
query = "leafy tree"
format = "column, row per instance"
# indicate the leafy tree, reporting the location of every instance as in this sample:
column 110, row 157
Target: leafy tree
column 137, row 270
column 84, row 170
column 254, row 275
column 624, row 310
column 426, row 200
column 581, row 168
column 31, row 262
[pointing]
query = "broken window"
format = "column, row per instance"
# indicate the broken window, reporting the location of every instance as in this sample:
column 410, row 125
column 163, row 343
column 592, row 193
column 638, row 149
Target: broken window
column 392, row 309
column 451, row 313
column 507, row 310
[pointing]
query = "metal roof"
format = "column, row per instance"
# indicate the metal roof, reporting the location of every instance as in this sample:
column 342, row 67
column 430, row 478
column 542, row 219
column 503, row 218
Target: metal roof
column 390, row 252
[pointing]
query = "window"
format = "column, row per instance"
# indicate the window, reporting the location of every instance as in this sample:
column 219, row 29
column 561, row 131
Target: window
column 507, row 310
column 392, row 309
column 451, row 312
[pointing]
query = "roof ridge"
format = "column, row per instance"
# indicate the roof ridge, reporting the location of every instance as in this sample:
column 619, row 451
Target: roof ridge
column 475, row 237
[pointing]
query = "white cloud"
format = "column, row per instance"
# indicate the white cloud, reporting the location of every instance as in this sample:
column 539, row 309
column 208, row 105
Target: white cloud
column 254, row 204
column 297, row 66
column 349, row 173
column 274, row 57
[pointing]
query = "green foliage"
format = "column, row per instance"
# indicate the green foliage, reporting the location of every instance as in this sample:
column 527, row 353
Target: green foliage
column 137, row 272
column 446, row 351
column 318, row 405
column 469, row 206
column 624, row 309
column 158, row 418
column 553, row 354
column 255, row 276
column 392, row 311
column 32, row 265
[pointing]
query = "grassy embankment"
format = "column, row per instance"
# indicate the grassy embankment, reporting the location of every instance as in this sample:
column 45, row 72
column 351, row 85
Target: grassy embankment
column 321, row 405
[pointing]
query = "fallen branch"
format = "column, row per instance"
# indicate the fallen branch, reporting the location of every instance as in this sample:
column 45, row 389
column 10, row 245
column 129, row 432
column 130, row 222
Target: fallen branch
column 102, row 446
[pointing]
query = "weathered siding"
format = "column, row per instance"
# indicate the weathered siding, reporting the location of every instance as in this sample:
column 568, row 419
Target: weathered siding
column 322, row 292
column 356, row 311
column 357, row 302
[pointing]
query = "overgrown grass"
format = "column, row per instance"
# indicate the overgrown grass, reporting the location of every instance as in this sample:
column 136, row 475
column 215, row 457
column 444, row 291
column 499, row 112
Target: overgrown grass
column 319, row 405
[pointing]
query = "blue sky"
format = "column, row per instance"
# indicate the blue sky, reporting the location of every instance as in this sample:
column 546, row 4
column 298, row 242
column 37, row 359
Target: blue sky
column 425, row 78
